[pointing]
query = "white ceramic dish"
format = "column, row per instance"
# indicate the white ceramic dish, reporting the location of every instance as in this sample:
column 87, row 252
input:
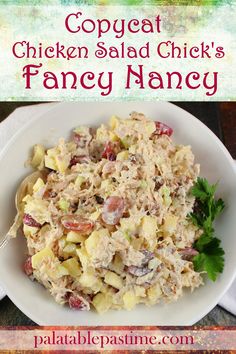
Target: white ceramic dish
column 216, row 165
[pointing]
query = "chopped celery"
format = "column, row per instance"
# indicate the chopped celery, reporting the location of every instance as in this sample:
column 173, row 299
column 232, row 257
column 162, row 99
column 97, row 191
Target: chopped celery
column 63, row 205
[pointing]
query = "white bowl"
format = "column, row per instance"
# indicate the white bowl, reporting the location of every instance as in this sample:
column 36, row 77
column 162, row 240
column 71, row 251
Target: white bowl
column 216, row 165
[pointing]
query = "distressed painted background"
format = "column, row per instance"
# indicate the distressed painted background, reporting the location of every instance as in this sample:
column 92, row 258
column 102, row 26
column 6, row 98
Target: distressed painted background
column 19, row 20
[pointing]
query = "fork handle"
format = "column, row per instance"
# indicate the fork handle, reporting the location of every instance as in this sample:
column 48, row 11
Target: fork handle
column 4, row 241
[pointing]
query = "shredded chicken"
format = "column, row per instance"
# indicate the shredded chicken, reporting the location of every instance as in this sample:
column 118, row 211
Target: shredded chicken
column 108, row 226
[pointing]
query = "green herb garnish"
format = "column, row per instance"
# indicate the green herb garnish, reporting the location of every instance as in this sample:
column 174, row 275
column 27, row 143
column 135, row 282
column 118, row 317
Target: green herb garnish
column 211, row 256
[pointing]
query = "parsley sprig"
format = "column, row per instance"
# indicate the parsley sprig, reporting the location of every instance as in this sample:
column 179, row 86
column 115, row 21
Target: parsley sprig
column 211, row 256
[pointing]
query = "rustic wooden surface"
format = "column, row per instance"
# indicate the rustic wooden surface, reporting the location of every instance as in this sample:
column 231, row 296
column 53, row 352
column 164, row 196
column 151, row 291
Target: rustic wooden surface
column 221, row 119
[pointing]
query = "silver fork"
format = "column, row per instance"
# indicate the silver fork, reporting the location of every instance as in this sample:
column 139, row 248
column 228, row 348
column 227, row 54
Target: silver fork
column 21, row 192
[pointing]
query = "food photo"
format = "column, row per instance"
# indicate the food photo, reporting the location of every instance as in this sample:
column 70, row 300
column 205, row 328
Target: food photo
column 118, row 213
